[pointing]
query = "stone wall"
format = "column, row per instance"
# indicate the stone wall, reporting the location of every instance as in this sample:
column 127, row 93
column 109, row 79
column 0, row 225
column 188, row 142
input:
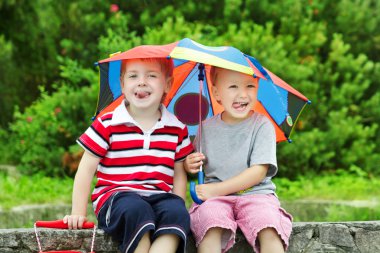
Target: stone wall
column 321, row 237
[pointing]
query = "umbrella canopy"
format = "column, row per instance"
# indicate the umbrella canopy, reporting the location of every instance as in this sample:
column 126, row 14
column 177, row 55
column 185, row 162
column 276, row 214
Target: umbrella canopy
column 280, row 102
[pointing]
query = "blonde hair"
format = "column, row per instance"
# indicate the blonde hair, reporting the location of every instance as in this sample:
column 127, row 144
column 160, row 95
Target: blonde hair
column 214, row 74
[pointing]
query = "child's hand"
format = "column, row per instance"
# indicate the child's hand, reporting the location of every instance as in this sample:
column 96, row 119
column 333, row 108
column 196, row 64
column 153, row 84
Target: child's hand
column 193, row 162
column 207, row 191
column 74, row 221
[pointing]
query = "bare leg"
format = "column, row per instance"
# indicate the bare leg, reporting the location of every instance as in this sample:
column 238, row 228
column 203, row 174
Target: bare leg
column 144, row 244
column 212, row 241
column 270, row 241
column 165, row 243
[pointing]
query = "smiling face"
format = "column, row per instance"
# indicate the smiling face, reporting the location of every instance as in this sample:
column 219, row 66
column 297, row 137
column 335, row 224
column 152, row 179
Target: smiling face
column 144, row 82
column 237, row 93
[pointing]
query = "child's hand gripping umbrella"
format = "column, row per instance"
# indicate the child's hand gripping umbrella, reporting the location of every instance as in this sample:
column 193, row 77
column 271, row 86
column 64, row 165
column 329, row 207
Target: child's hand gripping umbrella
column 193, row 193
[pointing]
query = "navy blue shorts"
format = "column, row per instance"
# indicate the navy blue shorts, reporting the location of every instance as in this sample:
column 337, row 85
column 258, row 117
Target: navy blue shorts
column 127, row 216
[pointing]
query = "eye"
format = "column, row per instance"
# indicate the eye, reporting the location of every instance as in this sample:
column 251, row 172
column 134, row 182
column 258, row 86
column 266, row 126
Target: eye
column 251, row 86
column 233, row 86
column 152, row 75
column 131, row 76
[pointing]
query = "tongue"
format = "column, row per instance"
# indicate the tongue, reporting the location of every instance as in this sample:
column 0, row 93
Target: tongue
column 236, row 105
column 142, row 94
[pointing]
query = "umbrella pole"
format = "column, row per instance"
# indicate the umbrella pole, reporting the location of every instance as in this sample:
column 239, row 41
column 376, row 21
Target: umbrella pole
column 201, row 76
column 200, row 173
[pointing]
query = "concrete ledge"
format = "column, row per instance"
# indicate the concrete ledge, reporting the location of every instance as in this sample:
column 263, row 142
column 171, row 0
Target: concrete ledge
column 320, row 237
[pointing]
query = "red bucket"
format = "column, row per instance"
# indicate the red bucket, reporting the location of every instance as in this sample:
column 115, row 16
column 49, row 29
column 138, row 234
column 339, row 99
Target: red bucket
column 60, row 225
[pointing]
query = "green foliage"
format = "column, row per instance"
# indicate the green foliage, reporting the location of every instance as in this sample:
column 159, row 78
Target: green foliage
column 344, row 136
column 117, row 38
column 38, row 31
column 172, row 30
column 46, row 130
column 359, row 23
column 7, row 92
column 32, row 31
column 75, row 75
column 327, row 50
column 5, row 157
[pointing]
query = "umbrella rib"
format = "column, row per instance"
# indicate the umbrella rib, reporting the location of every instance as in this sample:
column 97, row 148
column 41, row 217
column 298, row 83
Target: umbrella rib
column 188, row 78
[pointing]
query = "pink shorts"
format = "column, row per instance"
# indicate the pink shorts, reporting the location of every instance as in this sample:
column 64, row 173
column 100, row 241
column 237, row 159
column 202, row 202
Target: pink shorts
column 251, row 213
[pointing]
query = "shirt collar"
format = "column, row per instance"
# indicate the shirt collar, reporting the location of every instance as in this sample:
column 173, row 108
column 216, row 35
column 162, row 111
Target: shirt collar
column 121, row 116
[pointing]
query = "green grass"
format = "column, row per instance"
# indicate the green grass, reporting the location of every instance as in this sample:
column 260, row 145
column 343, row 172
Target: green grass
column 342, row 196
column 337, row 186
column 332, row 188
column 37, row 189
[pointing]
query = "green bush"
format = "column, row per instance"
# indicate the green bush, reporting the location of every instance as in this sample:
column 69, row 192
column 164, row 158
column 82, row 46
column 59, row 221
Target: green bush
column 338, row 134
column 46, row 130
column 8, row 92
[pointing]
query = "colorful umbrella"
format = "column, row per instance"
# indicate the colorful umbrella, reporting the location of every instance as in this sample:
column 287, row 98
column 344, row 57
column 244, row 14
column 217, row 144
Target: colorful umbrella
column 281, row 103
column 189, row 98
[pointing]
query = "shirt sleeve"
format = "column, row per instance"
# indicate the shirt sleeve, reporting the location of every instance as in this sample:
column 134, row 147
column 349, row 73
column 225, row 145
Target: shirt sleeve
column 95, row 139
column 184, row 146
column 264, row 147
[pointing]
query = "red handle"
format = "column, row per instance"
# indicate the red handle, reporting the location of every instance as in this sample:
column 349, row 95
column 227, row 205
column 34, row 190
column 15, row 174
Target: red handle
column 60, row 224
column 61, row 251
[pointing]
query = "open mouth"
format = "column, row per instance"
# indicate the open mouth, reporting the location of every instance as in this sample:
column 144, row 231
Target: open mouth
column 240, row 106
column 142, row 94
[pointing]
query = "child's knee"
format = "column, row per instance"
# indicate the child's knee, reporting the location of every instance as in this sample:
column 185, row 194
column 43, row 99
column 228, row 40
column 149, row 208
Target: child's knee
column 214, row 234
column 268, row 234
column 144, row 243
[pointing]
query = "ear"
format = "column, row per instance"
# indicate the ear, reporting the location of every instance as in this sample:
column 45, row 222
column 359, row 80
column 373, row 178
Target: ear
column 215, row 93
column 168, row 84
column 122, row 82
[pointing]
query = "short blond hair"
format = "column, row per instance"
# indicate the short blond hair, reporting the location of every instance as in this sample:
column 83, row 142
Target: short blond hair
column 214, row 74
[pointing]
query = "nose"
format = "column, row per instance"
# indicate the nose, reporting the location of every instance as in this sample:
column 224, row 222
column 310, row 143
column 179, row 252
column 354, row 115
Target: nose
column 142, row 82
column 243, row 93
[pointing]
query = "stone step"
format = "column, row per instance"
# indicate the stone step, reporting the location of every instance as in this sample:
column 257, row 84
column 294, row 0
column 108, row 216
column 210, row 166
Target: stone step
column 307, row 237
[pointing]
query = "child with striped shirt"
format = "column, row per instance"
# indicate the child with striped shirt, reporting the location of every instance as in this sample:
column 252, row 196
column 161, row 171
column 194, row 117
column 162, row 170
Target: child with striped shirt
column 137, row 152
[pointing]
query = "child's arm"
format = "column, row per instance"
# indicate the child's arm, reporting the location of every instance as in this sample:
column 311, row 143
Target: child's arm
column 81, row 190
column 248, row 178
column 180, row 180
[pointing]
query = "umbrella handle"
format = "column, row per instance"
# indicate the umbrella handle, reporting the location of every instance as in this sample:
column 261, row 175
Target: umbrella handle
column 192, row 188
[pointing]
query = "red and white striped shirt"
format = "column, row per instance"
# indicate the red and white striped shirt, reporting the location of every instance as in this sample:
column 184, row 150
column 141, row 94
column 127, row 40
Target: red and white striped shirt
column 131, row 159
